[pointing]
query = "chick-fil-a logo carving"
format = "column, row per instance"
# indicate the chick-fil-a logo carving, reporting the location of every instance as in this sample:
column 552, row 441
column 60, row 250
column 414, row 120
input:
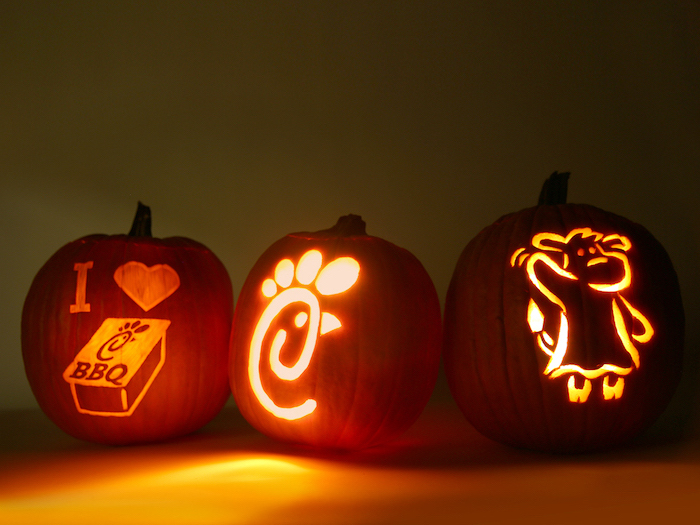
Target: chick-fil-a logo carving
column 104, row 377
column 335, row 278
column 551, row 255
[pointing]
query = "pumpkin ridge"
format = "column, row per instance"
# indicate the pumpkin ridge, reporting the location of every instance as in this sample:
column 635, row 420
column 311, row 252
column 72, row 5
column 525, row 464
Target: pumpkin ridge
column 346, row 428
column 483, row 365
column 466, row 265
column 512, row 372
column 527, row 221
column 588, row 421
column 559, row 211
column 583, row 418
column 391, row 262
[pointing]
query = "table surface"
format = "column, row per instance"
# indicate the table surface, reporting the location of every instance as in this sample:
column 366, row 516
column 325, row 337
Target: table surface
column 440, row 471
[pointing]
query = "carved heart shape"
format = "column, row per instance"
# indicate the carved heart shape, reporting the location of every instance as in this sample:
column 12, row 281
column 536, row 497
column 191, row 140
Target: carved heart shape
column 147, row 286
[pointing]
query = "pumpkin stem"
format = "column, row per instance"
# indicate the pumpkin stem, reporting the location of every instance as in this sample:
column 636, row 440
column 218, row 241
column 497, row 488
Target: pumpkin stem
column 554, row 189
column 348, row 225
column 141, row 227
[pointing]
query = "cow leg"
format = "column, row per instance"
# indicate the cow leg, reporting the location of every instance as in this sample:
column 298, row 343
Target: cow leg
column 613, row 391
column 578, row 394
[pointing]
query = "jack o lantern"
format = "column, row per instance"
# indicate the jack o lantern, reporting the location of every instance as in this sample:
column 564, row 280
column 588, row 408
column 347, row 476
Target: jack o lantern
column 125, row 337
column 336, row 339
column 563, row 327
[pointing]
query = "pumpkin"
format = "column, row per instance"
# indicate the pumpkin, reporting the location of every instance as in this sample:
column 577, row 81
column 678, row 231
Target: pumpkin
column 563, row 327
column 125, row 337
column 336, row 339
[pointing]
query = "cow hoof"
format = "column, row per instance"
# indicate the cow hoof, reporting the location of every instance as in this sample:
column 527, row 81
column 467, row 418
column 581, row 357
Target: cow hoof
column 576, row 394
column 613, row 391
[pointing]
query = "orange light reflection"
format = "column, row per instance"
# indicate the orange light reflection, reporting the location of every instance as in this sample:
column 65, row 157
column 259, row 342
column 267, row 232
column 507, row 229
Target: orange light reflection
column 226, row 488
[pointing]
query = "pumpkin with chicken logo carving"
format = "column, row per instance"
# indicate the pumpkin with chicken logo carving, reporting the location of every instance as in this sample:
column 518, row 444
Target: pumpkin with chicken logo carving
column 336, row 339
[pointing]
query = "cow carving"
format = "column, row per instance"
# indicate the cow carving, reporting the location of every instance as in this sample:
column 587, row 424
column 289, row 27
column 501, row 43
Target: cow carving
column 578, row 312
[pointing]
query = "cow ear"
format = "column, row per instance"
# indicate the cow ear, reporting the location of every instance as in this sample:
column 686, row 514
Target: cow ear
column 549, row 242
column 617, row 242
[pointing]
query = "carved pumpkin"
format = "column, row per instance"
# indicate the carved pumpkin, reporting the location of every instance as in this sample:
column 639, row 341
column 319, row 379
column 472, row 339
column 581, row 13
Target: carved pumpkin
column 563, row 327
column 336, row 339
column 125, row 337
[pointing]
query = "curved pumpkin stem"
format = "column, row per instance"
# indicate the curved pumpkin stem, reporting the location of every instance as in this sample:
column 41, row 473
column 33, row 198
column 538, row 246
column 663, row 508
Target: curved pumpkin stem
column 554, row 189
column 141, row 227
column 348, row 226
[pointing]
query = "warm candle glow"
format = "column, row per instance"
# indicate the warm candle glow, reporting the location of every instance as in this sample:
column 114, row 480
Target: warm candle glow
column 552, row 256
column 168, row 489
column 338, row 276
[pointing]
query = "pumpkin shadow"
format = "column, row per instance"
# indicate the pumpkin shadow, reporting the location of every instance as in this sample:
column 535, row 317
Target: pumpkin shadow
column 441, row 439
column 38, row 458
column 31, row 431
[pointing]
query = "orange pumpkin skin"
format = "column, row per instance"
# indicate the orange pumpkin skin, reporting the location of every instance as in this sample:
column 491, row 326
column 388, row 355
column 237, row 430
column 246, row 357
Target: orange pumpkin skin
column 371, row 376
column 179, row 385
column 495, row 363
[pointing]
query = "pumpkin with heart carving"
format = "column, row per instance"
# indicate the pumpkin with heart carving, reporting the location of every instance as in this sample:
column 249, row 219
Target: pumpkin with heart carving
column 125, row 337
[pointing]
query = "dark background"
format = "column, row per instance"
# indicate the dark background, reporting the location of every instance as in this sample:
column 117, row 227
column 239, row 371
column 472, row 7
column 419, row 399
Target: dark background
column 239, row 122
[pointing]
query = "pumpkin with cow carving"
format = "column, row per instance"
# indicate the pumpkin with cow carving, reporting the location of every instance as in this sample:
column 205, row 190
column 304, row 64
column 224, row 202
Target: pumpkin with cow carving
column 563, row 327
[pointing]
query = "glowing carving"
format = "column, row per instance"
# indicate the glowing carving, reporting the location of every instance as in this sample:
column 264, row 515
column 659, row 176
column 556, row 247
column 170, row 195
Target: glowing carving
column 80, row 287
column 147, row 286
column 284, row 273
column 337, row 277
column 576, row 394
column 308, row 267
column 553, row 253
column 103, row 375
